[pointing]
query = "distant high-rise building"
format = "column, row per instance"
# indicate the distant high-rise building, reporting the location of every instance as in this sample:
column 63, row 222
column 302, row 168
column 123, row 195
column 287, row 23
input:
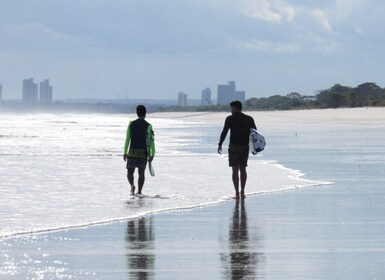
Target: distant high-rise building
column 1, row 92
column 30, row 91
column 46, row 92
column 228, row 93
column 182, row 99
column 206, row 96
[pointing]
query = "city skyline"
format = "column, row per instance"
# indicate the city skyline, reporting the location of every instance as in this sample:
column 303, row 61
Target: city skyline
column 30, row 91
column 228, row 93
column 182, row 99
column 33, row 93
column 45, row 92
column 154, row 50
column 206, row 96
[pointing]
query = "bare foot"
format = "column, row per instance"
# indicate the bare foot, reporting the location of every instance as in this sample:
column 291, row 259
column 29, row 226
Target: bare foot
column 236, row 195
column 243, row 195
column 132, row 190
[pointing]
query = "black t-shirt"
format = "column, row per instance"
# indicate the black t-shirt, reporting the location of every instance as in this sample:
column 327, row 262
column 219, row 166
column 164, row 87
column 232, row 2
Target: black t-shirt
column 239, row 125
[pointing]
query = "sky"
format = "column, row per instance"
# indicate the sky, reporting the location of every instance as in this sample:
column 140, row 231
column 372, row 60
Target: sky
column 152, row 49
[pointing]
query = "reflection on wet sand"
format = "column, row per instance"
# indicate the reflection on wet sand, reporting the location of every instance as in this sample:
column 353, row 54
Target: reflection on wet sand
column 140, row 248
column 241, row 260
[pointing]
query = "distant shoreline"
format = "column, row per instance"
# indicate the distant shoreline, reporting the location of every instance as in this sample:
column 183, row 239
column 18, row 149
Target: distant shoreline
column 109, row 108
column 338, row 96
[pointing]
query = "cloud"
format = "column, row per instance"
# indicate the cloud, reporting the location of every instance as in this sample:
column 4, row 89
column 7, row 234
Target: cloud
column 280, row 11
column 272, row 11
column 285, row 9
column 277, row 47
column 321, row 17
column 345, row 7
column 35, row 37
column 303, row 26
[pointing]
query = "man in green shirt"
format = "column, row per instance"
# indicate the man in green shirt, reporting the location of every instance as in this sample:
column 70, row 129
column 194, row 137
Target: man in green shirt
column 139, row 148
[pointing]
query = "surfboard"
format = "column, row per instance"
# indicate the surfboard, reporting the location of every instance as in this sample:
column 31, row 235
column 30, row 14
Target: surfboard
column 149, row 138
column 257, row 142
column 151, row 168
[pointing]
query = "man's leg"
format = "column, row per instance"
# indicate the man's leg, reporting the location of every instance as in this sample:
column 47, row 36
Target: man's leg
column 141, row 179
column 130, row 177
column 236, row 180
column 243, row 180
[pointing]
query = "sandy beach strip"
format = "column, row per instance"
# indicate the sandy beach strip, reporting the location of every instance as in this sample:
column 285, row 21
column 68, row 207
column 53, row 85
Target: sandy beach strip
column 261, row 238
column 367, row 115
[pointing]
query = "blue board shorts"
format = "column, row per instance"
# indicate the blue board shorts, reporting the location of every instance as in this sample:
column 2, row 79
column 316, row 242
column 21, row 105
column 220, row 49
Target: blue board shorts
column 133, row 163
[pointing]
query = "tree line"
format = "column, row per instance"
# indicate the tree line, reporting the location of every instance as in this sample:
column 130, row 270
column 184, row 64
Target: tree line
column 338, row 96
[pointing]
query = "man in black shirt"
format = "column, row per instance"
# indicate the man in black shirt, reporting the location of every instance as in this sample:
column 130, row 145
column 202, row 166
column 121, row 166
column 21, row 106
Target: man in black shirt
column 239, row 125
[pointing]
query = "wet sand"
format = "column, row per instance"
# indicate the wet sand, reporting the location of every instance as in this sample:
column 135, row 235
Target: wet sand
column 289, row 235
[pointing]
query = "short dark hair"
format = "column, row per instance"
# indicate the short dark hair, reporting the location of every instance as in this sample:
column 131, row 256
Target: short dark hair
column 237, row 104
column 141, row 111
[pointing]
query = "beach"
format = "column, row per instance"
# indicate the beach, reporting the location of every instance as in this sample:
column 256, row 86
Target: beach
column 325, row 221
column 275, row 236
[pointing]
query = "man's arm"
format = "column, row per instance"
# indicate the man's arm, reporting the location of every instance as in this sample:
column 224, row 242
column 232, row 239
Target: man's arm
column 225, row 130
column 128, row 139
column 253, row 123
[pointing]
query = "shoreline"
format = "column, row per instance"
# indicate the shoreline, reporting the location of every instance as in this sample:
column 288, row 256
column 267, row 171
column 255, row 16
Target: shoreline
column 256, row 238
column 188, row 114
column 312, row 184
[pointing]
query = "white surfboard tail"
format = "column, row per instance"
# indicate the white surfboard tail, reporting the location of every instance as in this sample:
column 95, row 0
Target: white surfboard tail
column 257, row 141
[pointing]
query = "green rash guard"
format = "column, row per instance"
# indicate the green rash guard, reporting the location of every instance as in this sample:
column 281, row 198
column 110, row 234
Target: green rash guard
column 140, row 142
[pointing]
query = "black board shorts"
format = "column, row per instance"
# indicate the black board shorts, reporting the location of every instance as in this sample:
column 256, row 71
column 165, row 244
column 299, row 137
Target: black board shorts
column 238, row 155
column 133, row 163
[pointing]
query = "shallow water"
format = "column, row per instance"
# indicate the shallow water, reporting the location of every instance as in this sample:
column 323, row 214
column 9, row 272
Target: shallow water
column 60, row 171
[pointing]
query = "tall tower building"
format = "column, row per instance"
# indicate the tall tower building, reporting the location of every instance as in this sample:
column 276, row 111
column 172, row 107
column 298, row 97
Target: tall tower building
column 182, row 99
column 30, row 91
column 46, row 92
column 228, row 93
column 206, row 96
column 1, row 92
